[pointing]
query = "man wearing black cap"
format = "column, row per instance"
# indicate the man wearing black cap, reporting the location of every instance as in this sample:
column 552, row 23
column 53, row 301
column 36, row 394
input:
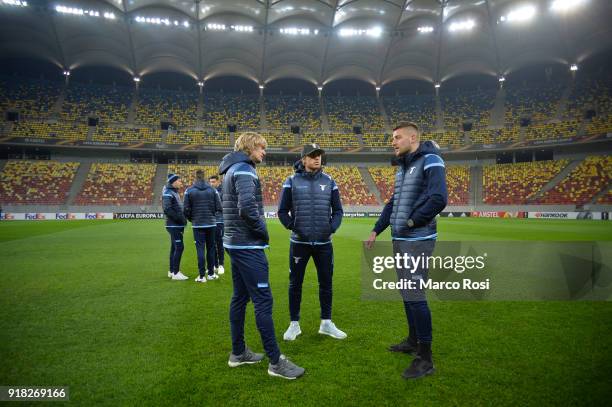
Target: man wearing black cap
column 310, row 207
column 175, row 224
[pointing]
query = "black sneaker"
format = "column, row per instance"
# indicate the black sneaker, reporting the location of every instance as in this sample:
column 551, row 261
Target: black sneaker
column 418, row 368
column 422, row 365
column 408, row 346
column 285, row 368
column 248, row 357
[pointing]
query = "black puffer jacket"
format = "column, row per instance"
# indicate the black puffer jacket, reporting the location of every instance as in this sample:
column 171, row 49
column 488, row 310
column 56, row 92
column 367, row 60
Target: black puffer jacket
column 201, row 203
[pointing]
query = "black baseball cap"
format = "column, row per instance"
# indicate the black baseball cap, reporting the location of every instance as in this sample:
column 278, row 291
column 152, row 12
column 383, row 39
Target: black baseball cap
column 310, row 149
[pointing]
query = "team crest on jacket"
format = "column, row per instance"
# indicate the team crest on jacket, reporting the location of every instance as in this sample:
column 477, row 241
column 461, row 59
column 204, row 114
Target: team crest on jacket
column 322, row 187
column 412, row 169
column 297, row 259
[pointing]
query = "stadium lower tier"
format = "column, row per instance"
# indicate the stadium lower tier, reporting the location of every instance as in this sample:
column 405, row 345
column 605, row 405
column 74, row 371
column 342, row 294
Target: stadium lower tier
column 27, row 182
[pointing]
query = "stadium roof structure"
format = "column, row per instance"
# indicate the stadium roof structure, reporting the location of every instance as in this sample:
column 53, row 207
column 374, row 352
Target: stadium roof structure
column 315, row 40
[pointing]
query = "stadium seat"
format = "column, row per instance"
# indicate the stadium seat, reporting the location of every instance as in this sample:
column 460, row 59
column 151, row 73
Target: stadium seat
column 118, row 184
column 462, row 107
column 353, row 189
column 283, row 111
column 241, row 110
column 61, row 130
column 177, row 107
column 420, row 109
column 127, row 134
column 109, row 104
column 514, row 184
column 457, row 183
column 32, row 98
column 579, row 187
column 338, row 140
column 202, row 138
column 27, row 182
column 344, row 112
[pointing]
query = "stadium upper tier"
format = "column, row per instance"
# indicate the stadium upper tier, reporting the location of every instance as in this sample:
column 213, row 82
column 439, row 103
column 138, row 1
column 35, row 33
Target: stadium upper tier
column 112, row 184
column 109, row 104
column 522, row 112
column 284, row 111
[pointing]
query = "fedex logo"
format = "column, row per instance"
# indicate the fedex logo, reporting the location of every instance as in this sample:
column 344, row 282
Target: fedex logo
column 64, row 216
column 94, row 216
column 34, row 216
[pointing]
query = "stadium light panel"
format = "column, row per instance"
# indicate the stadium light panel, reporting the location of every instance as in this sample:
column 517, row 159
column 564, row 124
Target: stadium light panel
column 66, row 73
column 216, row 27
column 353, row 32
column 437, row 85
column 110, row 16
column 136, row 79
column 298, row 31
column 200, row 84
column 242, row 28
column 261, row 87
column 426, row 29
column 565, row 5
column 319, row 88
column 17, row 3
column 573, row 67
column 501, row 78
column 521, row 14
column 161, row 21
column 466, row 25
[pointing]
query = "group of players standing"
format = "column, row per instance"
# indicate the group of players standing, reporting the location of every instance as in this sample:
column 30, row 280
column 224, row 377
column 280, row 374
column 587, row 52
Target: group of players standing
column 230, row 216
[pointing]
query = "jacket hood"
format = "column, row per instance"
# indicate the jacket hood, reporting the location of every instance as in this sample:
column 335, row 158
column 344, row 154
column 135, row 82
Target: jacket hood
column 232, row 158
column 298, row 166
column 201, row 185
column 426, row 147
column 169, row 186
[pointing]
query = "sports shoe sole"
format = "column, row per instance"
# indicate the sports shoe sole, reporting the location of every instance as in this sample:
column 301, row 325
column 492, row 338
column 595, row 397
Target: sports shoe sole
column 332, row 335
column 236, row 364
column 427, row 373
column 271, row 373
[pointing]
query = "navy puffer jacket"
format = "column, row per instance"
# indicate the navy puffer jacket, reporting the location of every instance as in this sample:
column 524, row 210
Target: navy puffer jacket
column 243, row 214
column 201, row 203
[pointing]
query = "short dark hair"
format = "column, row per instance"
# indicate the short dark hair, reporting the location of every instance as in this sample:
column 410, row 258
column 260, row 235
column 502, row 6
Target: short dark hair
column 215, row 177
column 200, row 175
column 403, row 125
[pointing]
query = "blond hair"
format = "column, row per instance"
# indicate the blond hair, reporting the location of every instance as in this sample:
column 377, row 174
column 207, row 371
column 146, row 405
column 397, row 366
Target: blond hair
column 247, row 142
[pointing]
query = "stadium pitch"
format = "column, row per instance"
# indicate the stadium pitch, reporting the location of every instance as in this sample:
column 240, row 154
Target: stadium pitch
column 88, row 304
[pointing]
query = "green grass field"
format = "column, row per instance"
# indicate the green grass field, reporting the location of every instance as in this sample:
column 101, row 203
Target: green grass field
column 87, row 304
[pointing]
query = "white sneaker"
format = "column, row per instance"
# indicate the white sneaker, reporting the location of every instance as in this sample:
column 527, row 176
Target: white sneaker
column 293, row 331
column 328, row 328
column 212, row 277
column 220, row 270
column 200, row 279
column 169, row 274
column 179, row 276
